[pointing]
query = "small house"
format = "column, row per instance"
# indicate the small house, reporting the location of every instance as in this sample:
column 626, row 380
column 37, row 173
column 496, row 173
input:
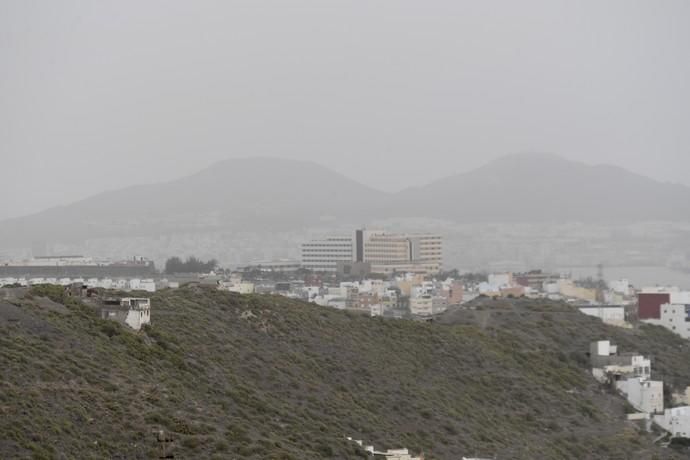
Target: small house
column 131, row 311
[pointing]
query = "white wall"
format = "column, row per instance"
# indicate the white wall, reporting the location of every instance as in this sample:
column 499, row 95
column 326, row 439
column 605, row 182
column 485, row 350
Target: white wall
column 609, row 315
column 137, row 318
column 500, row 279
column 676, row 421
column 673, row 317
column 646, row 395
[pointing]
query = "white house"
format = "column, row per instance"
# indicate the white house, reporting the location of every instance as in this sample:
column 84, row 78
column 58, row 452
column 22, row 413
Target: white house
column 603, row 348
column 675, row 317
column 500, row 280
column 621, row 286
column 676, row 421
column 120, row 284
column 644, row 395
column 243, row 287
column 147, row 285
column 132, row 311
column 397, row 454
column 134, row 284
column 105, row 283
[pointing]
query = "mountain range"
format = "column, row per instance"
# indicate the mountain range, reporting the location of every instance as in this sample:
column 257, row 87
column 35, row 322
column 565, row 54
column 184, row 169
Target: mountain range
column 269, row 193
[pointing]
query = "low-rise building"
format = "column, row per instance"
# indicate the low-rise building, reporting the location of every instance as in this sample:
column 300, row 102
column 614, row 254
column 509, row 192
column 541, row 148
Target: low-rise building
column 608, row 364
column 243, row 287
column 676, row 421
column 427, row 305
column 455, row 293
column 644, row 395
column 134, row 312
column 674, row 317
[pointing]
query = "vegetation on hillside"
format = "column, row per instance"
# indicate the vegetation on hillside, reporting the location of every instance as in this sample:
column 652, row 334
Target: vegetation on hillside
column 264, row 377
column 191, row 265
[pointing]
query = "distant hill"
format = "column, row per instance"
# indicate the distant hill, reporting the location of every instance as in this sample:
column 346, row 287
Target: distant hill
column 261, row 377
column 265, row 193
column 545, row 188
column 245, row 194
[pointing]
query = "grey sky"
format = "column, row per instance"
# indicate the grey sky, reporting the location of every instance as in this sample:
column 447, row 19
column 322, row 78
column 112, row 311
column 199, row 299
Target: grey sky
column 99, row 95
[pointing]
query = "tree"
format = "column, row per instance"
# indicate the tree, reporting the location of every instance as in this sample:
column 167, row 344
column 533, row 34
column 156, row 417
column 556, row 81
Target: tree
column 191, row 265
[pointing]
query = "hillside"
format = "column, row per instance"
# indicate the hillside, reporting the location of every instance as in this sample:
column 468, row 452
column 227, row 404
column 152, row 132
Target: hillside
column 266, row 377
column 267, row 193
column 246, row 194
column 546, row 188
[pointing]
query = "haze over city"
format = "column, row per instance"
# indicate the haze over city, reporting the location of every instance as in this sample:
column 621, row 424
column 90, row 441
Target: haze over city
column 391, row 94
column 382, row 230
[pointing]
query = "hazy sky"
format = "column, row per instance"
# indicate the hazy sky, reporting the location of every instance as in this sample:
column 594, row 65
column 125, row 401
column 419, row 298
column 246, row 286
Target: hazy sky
column 99, row 95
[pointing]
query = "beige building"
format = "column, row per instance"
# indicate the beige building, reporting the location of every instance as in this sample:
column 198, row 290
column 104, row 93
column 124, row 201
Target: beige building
column 567, row 288
column 402, row 253
column 386, row 253
column 427, row 305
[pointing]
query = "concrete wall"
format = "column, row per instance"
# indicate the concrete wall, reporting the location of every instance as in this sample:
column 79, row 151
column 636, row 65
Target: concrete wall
column 649, row 304
column 676, row 421
column 646, row 395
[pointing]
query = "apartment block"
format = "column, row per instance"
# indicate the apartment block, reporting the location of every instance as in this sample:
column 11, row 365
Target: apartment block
column 385, row 253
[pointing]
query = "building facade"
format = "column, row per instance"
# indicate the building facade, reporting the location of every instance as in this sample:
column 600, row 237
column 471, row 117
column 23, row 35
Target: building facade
column 324, row 255
column 674, row 317
column 386, row 253
column 134, row 312
column 676, row 421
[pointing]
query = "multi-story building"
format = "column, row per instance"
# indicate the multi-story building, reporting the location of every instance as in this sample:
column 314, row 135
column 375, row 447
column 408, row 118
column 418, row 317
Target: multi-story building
column 386, row 253
column 412, row 253
column 651, row 300
column 323, row 255
column 426, row 305
column 674, row 317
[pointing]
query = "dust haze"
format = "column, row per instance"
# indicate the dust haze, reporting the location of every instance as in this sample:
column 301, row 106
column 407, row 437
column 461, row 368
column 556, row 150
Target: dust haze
column 392, row 94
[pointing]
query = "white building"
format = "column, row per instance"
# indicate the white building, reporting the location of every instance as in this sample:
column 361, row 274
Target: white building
column 621, row 286
column 644, row 395
column 500, row 280
column 614, row 315
column 674, row 317
column 120, row 284
column 676, row 421
column 147, row 285
column 243, row 287
column 396, row 454
column 132, row 311
column 323, row 255
column 603, row 348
